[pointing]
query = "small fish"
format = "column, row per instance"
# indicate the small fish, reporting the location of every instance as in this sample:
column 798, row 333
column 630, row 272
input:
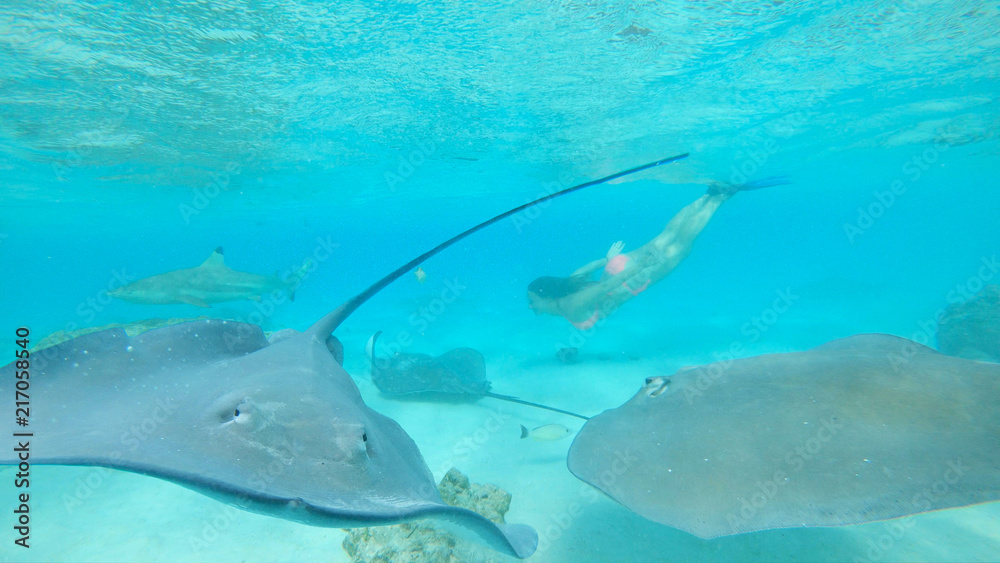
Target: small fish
column 546, row 433
column 421, row 276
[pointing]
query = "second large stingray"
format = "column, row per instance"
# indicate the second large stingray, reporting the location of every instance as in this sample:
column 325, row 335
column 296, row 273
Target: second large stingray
column 865, row 428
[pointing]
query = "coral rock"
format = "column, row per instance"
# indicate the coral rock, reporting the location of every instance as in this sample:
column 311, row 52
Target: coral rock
column 424, row 542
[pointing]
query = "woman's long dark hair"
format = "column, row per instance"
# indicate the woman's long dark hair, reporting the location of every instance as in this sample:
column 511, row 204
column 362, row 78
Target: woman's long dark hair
column 549, row 287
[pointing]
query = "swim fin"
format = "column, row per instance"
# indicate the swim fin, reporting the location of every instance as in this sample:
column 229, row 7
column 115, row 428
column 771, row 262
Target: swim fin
column 717, row 188
column 763, row 183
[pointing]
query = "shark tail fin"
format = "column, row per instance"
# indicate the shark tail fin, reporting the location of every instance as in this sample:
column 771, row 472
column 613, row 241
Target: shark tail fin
column 297, row 276
column 524, row 432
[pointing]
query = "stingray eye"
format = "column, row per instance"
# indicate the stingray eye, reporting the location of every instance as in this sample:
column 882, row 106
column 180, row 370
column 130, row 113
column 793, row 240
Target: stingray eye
column 367, row 444
column 240, row 413
column 656, row 386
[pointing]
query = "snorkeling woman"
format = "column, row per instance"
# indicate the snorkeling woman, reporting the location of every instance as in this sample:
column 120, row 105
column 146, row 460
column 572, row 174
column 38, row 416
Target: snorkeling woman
column 584, row 302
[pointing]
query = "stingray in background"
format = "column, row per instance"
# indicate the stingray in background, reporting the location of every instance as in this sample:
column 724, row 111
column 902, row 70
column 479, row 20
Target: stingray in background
column 211, row 282
column 277, row 428
column 864, row 428
column 458, row 374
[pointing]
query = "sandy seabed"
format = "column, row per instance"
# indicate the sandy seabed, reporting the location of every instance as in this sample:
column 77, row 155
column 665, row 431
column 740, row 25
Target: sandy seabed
column 96, row 514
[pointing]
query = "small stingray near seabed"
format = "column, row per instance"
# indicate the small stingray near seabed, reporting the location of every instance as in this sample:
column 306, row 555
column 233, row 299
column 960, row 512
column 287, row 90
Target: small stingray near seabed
column 456, row 375
column 568, row 355
column 971, row 329
column 865, row 428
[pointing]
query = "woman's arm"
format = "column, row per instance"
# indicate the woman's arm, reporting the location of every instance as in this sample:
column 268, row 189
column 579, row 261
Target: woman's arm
column 615, row 250
column 590, row 268
column 609, row 293
column 646, row 265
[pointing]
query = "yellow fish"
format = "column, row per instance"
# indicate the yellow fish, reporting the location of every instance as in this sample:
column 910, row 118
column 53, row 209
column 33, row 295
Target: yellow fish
column 421, row 276
column 546, row 433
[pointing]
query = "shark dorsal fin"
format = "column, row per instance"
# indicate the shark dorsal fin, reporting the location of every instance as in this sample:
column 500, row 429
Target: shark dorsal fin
column 215, row 260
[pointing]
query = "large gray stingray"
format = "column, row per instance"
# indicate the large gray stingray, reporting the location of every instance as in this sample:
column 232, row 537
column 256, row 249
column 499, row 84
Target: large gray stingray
column 277, row 428
column 864, row 428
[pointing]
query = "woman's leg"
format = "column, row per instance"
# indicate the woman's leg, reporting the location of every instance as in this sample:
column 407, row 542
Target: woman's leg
column 658, row 257
column 689, row 222
column 651, row 262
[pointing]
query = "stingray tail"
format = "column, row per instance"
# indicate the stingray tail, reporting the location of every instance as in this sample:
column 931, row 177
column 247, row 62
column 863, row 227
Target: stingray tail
column 325, row 326
column 370, row 348
column 536, row 405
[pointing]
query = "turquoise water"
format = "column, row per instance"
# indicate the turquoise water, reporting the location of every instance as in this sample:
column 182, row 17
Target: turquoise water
column 135, row 140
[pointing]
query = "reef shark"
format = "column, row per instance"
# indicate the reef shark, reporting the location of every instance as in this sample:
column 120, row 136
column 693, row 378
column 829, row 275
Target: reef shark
column 211, row 282
column 274, row 427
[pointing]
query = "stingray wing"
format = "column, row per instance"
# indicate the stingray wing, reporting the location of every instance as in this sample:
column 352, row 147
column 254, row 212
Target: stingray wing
column 458, row 372
column 467, row 369
column 83, row 389
column 206, row 405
